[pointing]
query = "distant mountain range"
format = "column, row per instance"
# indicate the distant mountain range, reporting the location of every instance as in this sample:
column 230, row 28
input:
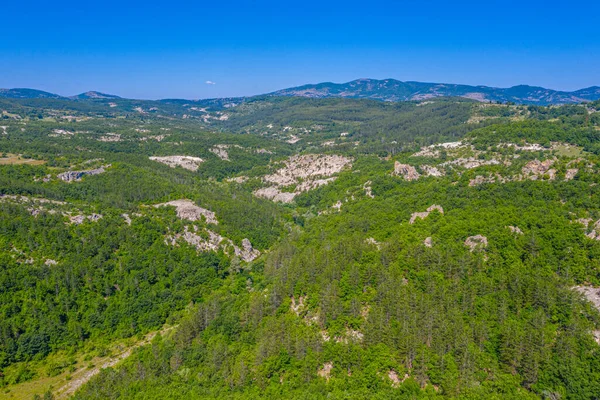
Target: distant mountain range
column 22, row 93
column 386, row 90
column 394, row 90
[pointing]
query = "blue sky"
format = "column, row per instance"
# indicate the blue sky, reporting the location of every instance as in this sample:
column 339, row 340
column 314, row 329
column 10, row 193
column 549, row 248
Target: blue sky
column 171, row 49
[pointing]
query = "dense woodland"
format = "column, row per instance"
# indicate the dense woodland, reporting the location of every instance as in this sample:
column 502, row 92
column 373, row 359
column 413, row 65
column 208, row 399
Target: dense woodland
column 354, row 301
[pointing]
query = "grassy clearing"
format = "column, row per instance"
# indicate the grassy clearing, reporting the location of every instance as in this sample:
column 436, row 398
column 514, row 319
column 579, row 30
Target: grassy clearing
column 15, row 159
column 77, row 369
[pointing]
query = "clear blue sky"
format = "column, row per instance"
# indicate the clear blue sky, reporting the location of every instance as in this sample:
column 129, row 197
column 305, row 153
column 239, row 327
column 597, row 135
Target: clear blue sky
column 171, row 49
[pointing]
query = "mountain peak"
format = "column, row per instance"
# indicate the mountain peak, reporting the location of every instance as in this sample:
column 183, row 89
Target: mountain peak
column 94, row 95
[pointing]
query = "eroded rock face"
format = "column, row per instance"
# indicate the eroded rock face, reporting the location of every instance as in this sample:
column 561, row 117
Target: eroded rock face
column 536, row 169
column 307, row 166
column 595, row 232
column 515, row 229
column 477, row 242
column 207, row 240
column 431, row 171
column 325, row 372
column 308, row 172
column 273, row 193
column 425, row 214
column 79, row 219
column 246, row 253
column 187, row 162
column 592, row 294
column 570, row 173
column 408, row 172
column 70, row 176
column 428, row 242
column 470, row 162
column 187, row 209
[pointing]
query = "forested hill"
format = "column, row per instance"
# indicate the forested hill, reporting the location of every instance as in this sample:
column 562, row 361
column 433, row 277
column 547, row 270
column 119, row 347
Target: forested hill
column 383, row 90
column 299, row 248
column 394, row 90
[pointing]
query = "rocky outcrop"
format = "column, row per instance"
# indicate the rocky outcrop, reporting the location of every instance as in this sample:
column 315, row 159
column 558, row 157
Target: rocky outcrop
column 408, row 172
column 477, row 242
column 79, row 219
column 207, row 240
column 275, row 194
column 187, row 162
column 428, row 242
column 246, row 253
column 187, row 209
column 325, row 372
column 307, row 172
column 570, row 173
column 428, row 170
column 425, row 214
column 537, row 169
column 70, row 176
column 307, row 166
column 515, row 229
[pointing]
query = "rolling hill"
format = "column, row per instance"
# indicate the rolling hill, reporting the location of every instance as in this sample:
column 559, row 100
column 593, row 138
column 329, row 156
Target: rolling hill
column 394, row 90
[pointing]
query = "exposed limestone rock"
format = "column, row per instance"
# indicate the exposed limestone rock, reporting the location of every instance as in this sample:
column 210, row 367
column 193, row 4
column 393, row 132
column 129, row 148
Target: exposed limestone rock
column 126, row 218
column 110, row 137
column 246, row 253
column 238, row 179
column 220, row 151
column 61, row 132
column 408, row 172
column 515, row 229
column 187, row 162
column 70, row 176
column 79, row 219
column 595, row 233
column 187, row 209
column 368, row 190
column 427, row 152
column 312, row 184
column 431, row 171
column 273, row 193
column 337, row 205
column 373, row 242
column 428, row 242
column 396, row 381
column 350, row 335
column 211, row 241
column 479, row 180
column 477, row 242
column 425, row 214
column 592, row 294
column 50, row 262
column 525, row 147
column 263, row 151
column 536, row 169
column 570, row 173
column 297, row 307
column 303, row 171
column 307, row 166
column 325, row 372
column 470, row 162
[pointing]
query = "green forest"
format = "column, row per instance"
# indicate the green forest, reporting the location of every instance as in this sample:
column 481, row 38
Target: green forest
column 270, row 248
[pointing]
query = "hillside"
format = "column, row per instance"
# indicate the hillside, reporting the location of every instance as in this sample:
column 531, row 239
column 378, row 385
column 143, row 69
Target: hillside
column 298, row 248
column 394, row 90
column 94, row 95
column 27, row 94
column 389, row 90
